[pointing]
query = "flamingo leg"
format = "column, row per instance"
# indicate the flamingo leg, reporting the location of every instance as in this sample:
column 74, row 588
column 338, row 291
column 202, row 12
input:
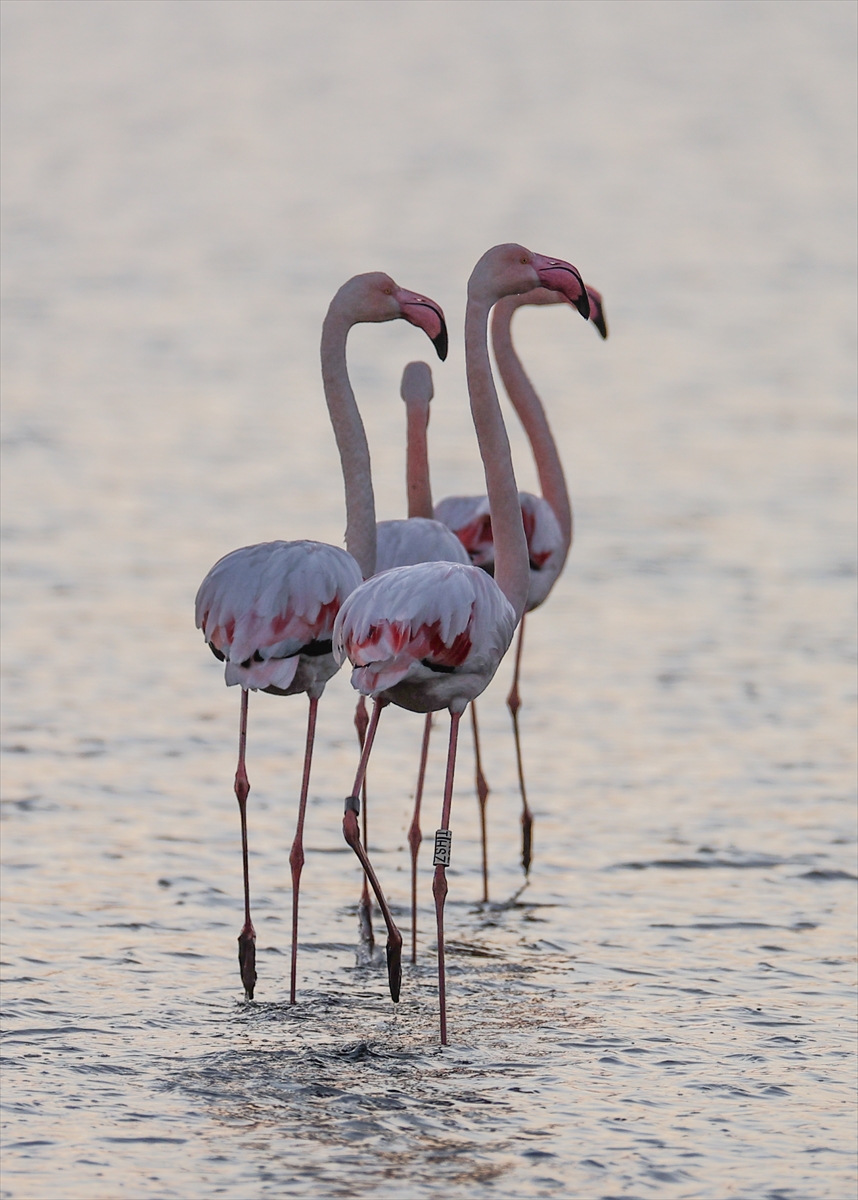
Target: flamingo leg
column 415, row 837
column 442, row 859
column 482, row 797
column 247, row 937
column 513, row 701
column 352, row 835
column 365, row 908
column 296, row 856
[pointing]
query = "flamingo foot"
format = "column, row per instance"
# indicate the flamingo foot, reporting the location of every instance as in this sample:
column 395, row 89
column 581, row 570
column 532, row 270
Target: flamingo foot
column 247, row 959
column 394, row 938
column 526, row 840
column 394, row 965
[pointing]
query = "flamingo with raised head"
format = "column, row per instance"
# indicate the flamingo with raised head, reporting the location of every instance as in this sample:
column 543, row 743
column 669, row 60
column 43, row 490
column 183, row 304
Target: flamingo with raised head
column 268, row 610
column 403, row 542
column 547, row 524
column 431, row 636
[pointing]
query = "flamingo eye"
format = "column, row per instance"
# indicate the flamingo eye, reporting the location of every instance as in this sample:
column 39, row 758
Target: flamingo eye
column 388, row 291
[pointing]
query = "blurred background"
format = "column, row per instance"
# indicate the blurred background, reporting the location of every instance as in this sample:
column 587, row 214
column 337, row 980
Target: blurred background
column 185, row 186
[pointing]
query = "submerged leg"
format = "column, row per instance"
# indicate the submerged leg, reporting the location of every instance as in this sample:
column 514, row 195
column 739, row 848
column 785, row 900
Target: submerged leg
column 513, row 701
column 415, row 837
column 352, row 836
column 247, row 937
column 442, row 861
column 365, row 907
column 296, row 856
column 482, row 797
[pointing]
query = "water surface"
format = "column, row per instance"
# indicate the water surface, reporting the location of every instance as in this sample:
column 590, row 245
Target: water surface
column 667, row 1009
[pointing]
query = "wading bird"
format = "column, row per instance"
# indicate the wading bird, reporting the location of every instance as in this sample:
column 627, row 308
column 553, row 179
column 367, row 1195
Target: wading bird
column 547, row 524
column 268, row 610
column 431, row 636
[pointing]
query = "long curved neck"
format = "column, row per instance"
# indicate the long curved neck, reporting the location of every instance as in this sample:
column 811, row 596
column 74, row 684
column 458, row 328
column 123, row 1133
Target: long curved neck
column 512, row 573
column 417, row 479
column 532, row 415
column 351, row 441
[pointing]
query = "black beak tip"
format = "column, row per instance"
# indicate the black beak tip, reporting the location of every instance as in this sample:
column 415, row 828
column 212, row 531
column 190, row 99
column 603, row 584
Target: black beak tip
column 601, row 324
column 440, row 342
column 583, row 305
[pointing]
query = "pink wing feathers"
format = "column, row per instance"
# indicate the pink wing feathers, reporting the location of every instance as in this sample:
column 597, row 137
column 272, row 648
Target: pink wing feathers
column 416, row 621
column 470, row 519
column 259, row 606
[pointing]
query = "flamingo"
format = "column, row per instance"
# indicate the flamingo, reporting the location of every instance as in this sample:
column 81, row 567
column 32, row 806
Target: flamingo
column 267, row 611
column 403, row 543
column 399, row 543
column 547, row 524
column 430, row 636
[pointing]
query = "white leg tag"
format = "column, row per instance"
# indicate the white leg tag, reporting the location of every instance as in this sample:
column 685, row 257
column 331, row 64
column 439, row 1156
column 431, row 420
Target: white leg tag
column 443, row 841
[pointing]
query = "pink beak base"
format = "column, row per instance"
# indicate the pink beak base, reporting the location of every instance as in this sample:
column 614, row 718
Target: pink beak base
column 426, row 315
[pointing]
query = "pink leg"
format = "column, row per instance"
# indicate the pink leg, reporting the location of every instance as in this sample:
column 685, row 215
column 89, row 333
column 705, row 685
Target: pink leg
column 247, row 937
column 296, row 857
column 365, row 908
column 482, row 797
column 352, row 836
column 442, row 860
column 513, row 701
column 415, row 837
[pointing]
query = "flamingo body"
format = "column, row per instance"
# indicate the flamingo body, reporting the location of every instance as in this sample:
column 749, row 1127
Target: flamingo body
column 426, row 637
column 469, row 517
column 268, row 612
column 404, row 543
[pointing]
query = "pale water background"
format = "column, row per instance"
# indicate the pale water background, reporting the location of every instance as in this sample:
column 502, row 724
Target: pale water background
column 668, row 1009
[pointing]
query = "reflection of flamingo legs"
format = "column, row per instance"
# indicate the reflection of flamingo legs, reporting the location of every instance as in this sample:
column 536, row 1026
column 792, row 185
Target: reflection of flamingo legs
column 247, row 937
column 296, row 855
column 415, row 837
column 482, row 797
column 439, row 884
column 352, row 836
column 513, row 701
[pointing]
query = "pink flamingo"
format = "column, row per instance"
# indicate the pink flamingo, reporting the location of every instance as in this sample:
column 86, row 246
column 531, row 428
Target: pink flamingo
column 268, row 610
column 404, row 542
column 547, row 524
column 431, row 636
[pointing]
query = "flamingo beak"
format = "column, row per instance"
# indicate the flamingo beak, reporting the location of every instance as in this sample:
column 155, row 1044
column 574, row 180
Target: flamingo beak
column 426, row 315
column 597, row 311
column 562, row 277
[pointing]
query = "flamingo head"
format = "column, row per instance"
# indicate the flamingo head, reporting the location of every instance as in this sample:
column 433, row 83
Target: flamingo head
column 510, row 270
column 416, row 387
column 375, row 297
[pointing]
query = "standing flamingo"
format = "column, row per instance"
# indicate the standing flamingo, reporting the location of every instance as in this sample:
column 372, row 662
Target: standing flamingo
column 268, row 610
column 403, row 542
column 547, row 523
column 431, row 636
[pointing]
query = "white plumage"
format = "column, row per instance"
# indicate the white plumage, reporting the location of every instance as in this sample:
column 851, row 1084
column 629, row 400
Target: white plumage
column 404, row 543
column 469, row 517
column 260, row 606
column 427, row 637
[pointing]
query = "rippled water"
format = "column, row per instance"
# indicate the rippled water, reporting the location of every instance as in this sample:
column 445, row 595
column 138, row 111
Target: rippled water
column 667, row 1009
